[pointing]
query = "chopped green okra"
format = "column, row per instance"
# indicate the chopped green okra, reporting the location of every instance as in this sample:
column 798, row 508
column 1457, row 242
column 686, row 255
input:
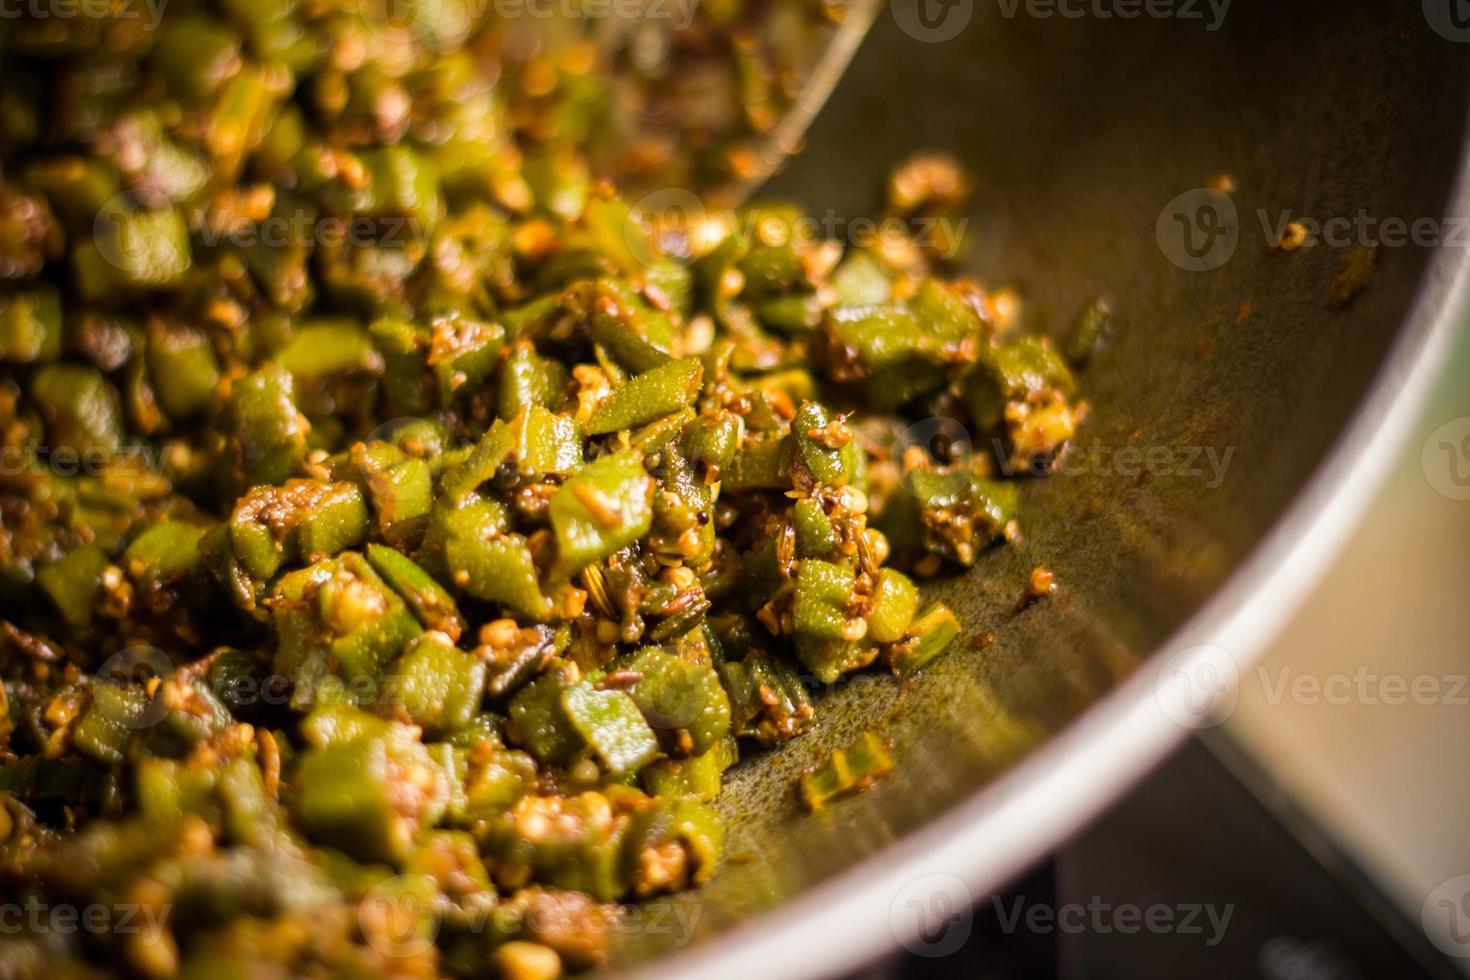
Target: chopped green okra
column 183, row 370
column 546, row 442
column 79, row 407
column 848, row 770
column 697, row 777
column 30, row 326
column 104, row 727
column 369, row 797
column 73, row 584
column 268, row 432
column 823, row 591
column 605, row 506
column 469, row 518
column 928, row 636
column 526, row 379
column 484, row 562
column 135, row 248
column 300, row 521
column 825, row 445
column 1087, row 331
column 558, row 718
column 673, row 844
column 682, row 700
column 648, row 396
column 540, row 718
column 895, row 598
column 430, row 601
column 566, row 842
column 1026, row 390
column 188, row 714
column 611, row 726
column 439, row 686
column 399, row 489
column 768, row 701
column 338, row 619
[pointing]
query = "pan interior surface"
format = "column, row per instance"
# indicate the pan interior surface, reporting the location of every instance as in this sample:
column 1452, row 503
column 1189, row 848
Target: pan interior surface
column 1217, row 396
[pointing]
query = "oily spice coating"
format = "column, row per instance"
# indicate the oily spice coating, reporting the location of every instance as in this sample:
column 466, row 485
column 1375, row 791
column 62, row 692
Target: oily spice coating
column 399, row 535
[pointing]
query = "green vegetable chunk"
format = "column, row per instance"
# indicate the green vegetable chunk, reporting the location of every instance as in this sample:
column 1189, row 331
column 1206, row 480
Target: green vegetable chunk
column 651, row 395
column 848, row 770
column 683, row 701
column 610, row 724
column 406, row 518
column 369, row 798
column 338, row 619
column 604, row 507
column 439, row 686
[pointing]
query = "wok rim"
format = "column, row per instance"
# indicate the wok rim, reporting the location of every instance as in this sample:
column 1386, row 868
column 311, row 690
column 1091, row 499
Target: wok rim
column 1003, row 827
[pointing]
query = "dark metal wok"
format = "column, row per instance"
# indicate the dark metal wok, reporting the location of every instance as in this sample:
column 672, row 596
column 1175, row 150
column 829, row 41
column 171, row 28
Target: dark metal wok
column 1082, row 132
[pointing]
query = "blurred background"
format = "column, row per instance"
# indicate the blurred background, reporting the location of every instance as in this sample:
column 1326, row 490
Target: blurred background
column 1323, row 822
column 1382, row 772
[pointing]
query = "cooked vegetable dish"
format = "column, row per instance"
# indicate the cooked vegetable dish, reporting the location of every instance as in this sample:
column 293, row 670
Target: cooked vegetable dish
column 399, row 533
